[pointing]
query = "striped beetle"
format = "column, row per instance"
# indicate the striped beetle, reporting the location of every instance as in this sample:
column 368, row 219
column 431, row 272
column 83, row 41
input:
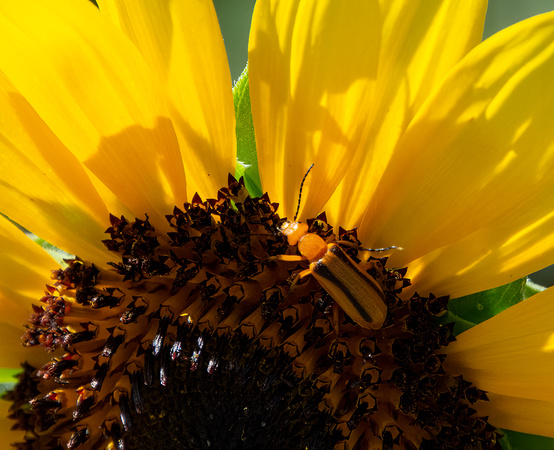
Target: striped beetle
column 353, row 289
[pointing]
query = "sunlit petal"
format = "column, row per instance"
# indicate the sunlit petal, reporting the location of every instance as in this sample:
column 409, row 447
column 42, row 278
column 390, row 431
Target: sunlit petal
column 317, row 101
column 512, row 355
column 97, row 95
column 412, row 60
column 24, row 266
column 44, row 187
column 476, row 163
column 182, row 44
column 308, row 91
column 492, row 256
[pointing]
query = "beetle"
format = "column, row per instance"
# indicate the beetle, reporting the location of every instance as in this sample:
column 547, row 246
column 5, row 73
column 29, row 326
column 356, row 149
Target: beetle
column 353, row 289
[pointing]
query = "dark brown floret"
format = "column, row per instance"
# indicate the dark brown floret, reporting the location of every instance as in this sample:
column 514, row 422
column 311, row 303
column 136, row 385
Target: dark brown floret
column 198, row 338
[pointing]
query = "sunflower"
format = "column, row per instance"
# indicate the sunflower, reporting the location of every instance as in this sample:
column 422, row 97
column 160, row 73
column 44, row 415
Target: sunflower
column 182, row 315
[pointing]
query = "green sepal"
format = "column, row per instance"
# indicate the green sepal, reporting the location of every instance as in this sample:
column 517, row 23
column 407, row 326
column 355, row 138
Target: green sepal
column 514, row 440
column 55, row 253
column 247, row 157
column 470, row 310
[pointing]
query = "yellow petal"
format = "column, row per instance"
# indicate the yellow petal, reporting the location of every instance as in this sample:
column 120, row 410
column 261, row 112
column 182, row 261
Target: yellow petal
column 25, row 270
column 310, row 66
column 333, row 82
column 421, row 41
column 531, row 416
column 512, row 355
column 44, row 187
column 476, row 163
column 492, row 256
column 96, row 93
column 181, row 42
column 13, row 352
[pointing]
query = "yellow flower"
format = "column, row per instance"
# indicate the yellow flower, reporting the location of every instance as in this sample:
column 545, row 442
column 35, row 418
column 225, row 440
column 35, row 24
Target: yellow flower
column 416, row 139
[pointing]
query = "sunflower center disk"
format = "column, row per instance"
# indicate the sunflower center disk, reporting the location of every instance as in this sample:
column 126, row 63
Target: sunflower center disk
column 200, row 339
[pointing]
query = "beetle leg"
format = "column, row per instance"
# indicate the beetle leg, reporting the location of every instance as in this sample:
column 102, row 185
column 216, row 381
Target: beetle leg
column 287, row 258
column 304, row 274
column 299, row 276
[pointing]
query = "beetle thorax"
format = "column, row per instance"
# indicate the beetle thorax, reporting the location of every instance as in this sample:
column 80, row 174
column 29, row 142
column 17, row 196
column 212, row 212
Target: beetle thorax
column 312, row 247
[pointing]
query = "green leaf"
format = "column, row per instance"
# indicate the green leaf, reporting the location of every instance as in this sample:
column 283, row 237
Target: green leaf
column 5, row 387
column 7, row 375
column 8, row 380
column 472, row 309
column 247, row 157
column 513, row 440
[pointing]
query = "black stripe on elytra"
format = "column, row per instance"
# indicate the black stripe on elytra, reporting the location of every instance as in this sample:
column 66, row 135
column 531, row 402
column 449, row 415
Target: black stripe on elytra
column 321, row 269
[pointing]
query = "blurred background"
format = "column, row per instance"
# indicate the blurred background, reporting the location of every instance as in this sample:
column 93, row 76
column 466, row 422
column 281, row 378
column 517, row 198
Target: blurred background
column 235, row 15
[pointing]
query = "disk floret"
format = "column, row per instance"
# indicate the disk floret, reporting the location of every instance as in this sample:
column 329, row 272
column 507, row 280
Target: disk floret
column 202, row 337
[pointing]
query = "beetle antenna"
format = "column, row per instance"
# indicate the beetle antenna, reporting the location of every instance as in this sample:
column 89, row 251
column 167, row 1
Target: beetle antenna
column 353, row 245
column 300, row 193
column 394, row 247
